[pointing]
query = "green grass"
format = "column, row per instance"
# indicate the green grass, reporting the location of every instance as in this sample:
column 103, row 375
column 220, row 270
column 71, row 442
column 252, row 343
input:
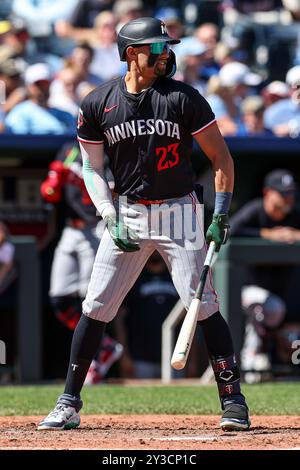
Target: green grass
column 277, row 399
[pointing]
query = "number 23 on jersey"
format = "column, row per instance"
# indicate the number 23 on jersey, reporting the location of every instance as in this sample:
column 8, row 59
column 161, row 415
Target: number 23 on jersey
column 168, row 157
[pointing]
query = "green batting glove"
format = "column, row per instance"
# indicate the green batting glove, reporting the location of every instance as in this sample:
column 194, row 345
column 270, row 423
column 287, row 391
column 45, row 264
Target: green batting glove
column 123, row 236
column 218, row 231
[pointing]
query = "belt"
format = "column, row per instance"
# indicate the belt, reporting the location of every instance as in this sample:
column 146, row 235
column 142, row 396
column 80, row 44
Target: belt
column 146, row 202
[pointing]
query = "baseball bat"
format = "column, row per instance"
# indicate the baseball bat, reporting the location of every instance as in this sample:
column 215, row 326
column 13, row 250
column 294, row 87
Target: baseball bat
column 186, row 335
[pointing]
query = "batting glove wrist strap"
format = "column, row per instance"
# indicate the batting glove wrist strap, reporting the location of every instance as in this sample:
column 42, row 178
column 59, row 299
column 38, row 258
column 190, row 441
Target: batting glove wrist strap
column 218, row 231
column 124, row 237
column 222, row 202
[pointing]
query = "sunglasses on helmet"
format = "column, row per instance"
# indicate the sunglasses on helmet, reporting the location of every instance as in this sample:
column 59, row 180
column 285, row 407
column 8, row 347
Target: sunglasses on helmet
column 156, row 47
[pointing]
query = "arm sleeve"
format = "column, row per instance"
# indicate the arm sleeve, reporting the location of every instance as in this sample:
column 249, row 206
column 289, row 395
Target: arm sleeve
column 197, row 113
column 95, row 180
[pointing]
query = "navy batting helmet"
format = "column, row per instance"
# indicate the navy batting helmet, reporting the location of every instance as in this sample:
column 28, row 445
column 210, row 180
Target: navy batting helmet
column 143, row 31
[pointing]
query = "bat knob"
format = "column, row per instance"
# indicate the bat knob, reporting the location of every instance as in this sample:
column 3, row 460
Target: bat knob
column 178, row 364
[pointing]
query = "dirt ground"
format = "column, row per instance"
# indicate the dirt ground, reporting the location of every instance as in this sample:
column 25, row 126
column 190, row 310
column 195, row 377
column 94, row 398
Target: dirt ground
column 151, row 432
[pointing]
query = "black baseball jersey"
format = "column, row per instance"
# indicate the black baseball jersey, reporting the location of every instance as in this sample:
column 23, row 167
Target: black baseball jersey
column 148, row 136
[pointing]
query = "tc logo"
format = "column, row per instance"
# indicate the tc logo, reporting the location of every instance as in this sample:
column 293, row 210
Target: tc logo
column 296, row 354
column 228, row 389
column 74, row 367
column 163, row 28
column 2, row 352
column 222, row 365
column 80, row 121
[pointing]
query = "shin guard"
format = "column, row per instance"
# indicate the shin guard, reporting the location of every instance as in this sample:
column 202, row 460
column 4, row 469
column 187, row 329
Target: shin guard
column 227, row 376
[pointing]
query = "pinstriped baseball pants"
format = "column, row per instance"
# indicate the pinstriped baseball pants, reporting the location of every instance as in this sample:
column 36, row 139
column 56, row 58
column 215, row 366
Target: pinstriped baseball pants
column 175, row 230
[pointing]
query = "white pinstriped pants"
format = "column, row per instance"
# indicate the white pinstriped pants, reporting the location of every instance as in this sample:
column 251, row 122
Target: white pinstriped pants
column 175, row 230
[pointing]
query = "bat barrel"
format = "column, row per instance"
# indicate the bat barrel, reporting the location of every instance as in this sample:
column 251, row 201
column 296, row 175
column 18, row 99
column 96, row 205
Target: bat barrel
column 186, row 335
column 185, row 338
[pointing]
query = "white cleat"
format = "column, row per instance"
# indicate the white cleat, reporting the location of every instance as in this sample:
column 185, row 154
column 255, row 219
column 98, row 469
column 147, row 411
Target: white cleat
column 62, row 417
column 235, row 424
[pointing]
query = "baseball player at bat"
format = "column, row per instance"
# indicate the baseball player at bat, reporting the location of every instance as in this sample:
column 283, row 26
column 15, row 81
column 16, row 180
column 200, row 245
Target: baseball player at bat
column 146, row 123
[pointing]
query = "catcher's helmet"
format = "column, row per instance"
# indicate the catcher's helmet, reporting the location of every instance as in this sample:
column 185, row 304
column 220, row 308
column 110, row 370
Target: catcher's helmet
column 142, row 31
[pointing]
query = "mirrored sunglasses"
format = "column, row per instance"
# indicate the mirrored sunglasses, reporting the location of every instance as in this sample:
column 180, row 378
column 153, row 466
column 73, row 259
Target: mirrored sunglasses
column 158, row 47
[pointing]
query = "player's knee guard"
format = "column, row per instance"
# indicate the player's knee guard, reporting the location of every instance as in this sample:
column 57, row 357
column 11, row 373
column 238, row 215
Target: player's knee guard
column 67, row 310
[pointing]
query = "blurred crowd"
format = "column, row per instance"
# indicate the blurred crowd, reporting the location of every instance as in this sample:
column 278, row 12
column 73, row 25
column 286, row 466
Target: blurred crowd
column 243, row 56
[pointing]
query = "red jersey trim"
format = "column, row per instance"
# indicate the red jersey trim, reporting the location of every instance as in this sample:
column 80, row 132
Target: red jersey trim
column 90, row 141
column 204, row 127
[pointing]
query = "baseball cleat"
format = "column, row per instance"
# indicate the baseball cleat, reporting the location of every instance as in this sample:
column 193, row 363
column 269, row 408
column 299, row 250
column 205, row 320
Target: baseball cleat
column 62, row 417
column 235, row 418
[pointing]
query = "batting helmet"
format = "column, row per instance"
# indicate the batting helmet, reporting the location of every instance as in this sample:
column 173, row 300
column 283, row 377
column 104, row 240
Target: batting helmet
column 142, row 31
